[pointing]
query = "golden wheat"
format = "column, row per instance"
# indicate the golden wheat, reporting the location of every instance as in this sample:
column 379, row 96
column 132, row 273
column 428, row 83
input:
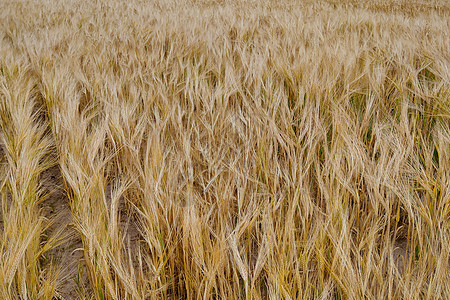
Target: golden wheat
column 225, row 149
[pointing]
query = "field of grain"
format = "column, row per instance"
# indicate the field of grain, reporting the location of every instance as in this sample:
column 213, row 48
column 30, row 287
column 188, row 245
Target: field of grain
column 241, row 149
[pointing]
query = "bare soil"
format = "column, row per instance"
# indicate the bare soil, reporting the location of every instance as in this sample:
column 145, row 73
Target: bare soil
column 68, row 255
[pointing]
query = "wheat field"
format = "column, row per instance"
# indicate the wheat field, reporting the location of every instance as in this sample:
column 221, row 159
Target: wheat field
column 241, row 149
